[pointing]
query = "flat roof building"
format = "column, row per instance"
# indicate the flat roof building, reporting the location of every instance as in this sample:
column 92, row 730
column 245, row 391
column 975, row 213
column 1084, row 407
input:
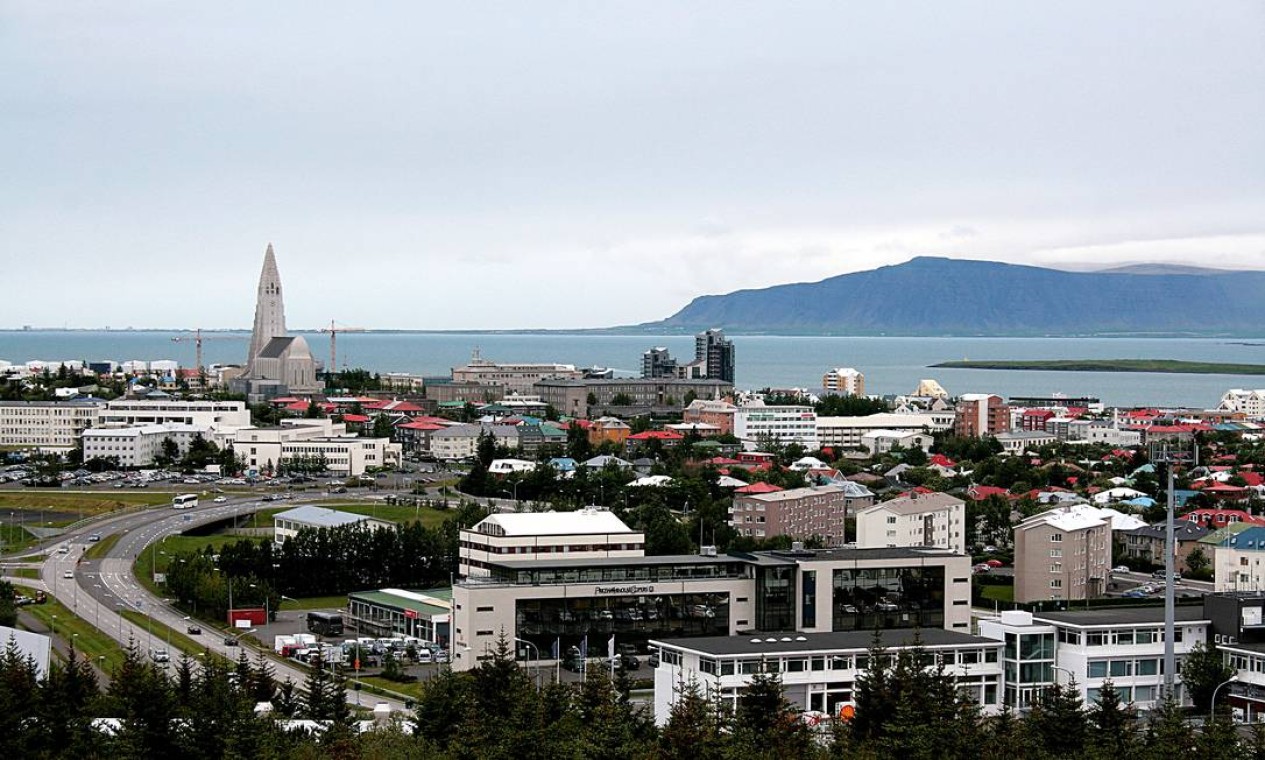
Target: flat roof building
column 288, row 523
column 590, row 533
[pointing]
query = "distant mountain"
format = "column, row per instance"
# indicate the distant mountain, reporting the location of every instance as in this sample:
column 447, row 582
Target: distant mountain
column 939, row 296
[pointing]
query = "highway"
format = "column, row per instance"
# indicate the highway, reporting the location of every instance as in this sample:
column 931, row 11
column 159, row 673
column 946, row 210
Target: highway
column 97, row 590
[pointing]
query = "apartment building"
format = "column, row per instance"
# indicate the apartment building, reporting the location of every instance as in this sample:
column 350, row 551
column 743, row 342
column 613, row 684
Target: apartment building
column 845, row 381
column 980, row 414
column 313, row 439
column 139, row 446
column 1016, row 442
column 517, row 377
column 800, row 513
column 1250, row 403
column 818, row 671
column 53, row 426
column 1063, row 553
column 1147, row 543
column 755, row 421
column 850, row 432
column 571, row 397
column 935, row 519
column 719, row 414
column 1239, row 560
column 220, row 416
column 590, row 533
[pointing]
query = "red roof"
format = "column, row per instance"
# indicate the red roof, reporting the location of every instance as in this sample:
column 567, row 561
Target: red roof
column 923, row 490
column 283, row 400
column 355, row 418
column 979, row 493
column 758, row 488
column 1217, row 487
column 394, row 406
column 662, row 435
column 1252, row 478
column 942, row 460
column 421, row 424
column 719, row 461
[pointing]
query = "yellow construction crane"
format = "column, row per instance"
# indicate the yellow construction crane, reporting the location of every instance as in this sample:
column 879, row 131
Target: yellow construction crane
column 333, row 330
column 197, row 339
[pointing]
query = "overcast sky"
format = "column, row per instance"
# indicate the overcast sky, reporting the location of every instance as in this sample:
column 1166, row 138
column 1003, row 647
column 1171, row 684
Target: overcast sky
column 549, row 164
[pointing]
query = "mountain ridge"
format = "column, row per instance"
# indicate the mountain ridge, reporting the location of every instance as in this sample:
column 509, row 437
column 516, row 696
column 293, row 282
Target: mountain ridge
column 930, row 295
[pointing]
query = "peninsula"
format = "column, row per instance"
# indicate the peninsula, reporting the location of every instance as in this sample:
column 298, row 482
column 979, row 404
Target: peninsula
column 1111, row 365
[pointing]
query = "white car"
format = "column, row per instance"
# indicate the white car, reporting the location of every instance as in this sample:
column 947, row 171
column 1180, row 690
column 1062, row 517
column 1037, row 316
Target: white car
column 1121, row 569
column 220, row 499
column 68, row 574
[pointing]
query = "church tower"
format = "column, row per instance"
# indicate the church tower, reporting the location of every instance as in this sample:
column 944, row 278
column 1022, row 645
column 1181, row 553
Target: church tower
column 270, row 315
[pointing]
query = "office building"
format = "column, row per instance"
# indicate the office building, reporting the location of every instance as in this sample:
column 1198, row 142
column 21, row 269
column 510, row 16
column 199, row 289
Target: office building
column 141, row 445
column 287, row 524
column 756, row 421
column 49, row 426
column 511, row 377
column 590, row 533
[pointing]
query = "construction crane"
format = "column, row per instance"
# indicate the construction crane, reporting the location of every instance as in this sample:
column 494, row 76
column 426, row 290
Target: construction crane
column 197, row 339
column 334, row 329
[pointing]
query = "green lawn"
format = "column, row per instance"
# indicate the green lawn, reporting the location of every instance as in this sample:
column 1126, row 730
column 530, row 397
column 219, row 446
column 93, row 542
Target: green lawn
column 315, row 603
column 71, row 627
column 26, row 572
column 393, row 689
column 998, row 593
column 428, row 517
column 89, row 503
column 163, row 634
column 14, row 538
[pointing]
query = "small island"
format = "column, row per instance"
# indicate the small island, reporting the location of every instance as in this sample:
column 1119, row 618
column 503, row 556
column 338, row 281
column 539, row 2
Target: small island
column 1111, row 365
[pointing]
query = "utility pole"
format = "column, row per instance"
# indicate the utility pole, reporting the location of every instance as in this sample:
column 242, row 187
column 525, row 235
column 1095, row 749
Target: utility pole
column 1169, row 459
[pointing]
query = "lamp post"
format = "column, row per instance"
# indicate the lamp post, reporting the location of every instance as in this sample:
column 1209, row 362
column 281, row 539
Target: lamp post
column 1212, row 709
column 54, row 626
column 536, row 669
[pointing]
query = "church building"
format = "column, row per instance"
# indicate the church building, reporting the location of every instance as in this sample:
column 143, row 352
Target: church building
column 278, row 364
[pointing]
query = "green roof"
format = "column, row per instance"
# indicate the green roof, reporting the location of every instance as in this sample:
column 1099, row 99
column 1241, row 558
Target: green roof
column 389, row 598
column 452, row 404
column 1221, row 534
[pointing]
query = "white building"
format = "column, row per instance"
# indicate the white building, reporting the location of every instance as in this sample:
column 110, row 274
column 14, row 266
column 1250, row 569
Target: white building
column 508, row 466
column 845, row 381
column 1089, row 648
column 46, row 425
column 935, row 520
column 1248, row 402
column 881, row 441
column 513, row 377
column 308, row 439
column 220, row 416
column 818, row 671
column 590, row 533
column 1015, row 442
column 139, row 446
column 458, row 442
column 849, row 432
column 287, row 524
column 35, row 646
column 756, row 420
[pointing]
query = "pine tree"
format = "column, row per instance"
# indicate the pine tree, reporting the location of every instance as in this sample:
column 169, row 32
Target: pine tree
column 692, row 729
column 1218, row 740
column 445, row 703
column 873, row 696
column 1058, row 722
column 1167, row 733
column 141, row 696
column 1113, row 725
column 766, row 725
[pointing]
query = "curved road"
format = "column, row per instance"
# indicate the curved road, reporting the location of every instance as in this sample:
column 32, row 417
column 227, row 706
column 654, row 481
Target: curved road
column 97, row 590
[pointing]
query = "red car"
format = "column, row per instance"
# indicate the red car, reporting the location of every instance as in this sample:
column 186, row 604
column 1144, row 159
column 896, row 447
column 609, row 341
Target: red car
column 995, row 563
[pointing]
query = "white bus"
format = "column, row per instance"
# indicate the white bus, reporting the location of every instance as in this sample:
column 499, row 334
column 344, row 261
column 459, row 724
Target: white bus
column 185, row 501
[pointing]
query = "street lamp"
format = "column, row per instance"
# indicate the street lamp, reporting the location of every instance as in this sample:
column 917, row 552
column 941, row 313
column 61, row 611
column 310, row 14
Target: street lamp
column 536, row 670
column 1212, row 709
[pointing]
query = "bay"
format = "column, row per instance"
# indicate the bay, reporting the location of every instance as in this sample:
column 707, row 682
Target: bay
column 890, row 365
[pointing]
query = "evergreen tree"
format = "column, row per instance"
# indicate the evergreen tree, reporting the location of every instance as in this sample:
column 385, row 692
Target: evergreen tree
column 1058, row 723
column 693, row 728
column 1218, row 740
column 141, row 696
column 1167, row 733
column 1203, row 670
column 445, row 702
column 766, row 725
column 606, row 725
column 67, row 705
column 1113, row 726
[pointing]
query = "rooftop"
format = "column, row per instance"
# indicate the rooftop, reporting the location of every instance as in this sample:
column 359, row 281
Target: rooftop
column 917, row 504
column 580, row 522
column 786, row 643
column 320, row 516
column 1121, row 615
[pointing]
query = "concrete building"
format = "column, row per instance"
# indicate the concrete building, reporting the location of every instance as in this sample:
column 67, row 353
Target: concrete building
column 1063, row 553
column 716, row 353
column 1250, row 403
column 1016, row 442
column 663, row 395
column 935, row 520
column 558, row 603
column 801, row 513
column 277, row 364
column 1087, row 648
column 139, row 446
column 458, row 442
column 756, row 421
column 392, row 612
column 882, row 441
column 1239, row 561
column 589, row 533
column 308, row 439
column 287, row 524
column 219, row 416
column 52, row 426
column 849, row 432
column 818, row 671
column 1147, row 543
column 980, row 414
column 33, row 646
column 719, row 414
column 844, row 381
column 519, row 377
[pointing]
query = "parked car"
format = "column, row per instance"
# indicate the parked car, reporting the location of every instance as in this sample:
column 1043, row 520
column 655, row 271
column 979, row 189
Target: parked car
column 1121, row 569
column 982, row 567
column 995, row 563
column 220, row 499
column 630, row 662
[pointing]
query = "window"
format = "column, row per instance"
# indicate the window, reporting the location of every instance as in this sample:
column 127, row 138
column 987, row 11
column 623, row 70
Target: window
column 1097, row 669
column 1124, row 637
column 483, row 609
column 1056, row 583
column 1148, row 667
column 1121, row 668
column 1056, row 538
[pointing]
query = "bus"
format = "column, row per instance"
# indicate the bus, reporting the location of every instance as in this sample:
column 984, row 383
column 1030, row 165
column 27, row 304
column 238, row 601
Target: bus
column 325, row 623
column 185, row 501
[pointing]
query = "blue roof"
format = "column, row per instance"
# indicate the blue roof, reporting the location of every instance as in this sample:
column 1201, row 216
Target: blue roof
column 562, row 464
column 1181, row 496
column 322, row 517
column 1252, row 538
column 1142, row 501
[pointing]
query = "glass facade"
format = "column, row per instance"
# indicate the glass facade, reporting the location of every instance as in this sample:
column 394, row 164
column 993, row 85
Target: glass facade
column 686, row 571
column 889, row 597
column 775, row 598
column 631, row 619
column 808, row 602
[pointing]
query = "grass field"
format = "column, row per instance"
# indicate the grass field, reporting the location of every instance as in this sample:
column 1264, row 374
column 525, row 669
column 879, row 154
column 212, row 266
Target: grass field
column 427, row 516
column 163, row 634
column 14, row 538
column 88, row 502
column 315, row 603
column 412, row 689
column 27, row 572
column 998, row 593
column 86, row 638
column 100, row 548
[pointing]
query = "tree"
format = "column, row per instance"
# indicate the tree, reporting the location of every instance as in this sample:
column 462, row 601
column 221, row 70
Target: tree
column 382, row 427
column 766, row 725
column 1058, row 722
column 693, row 726
column 1112, row 725
column 8, row 608
column 1203, row 671
column 1167, row 732
column 1197, row 563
